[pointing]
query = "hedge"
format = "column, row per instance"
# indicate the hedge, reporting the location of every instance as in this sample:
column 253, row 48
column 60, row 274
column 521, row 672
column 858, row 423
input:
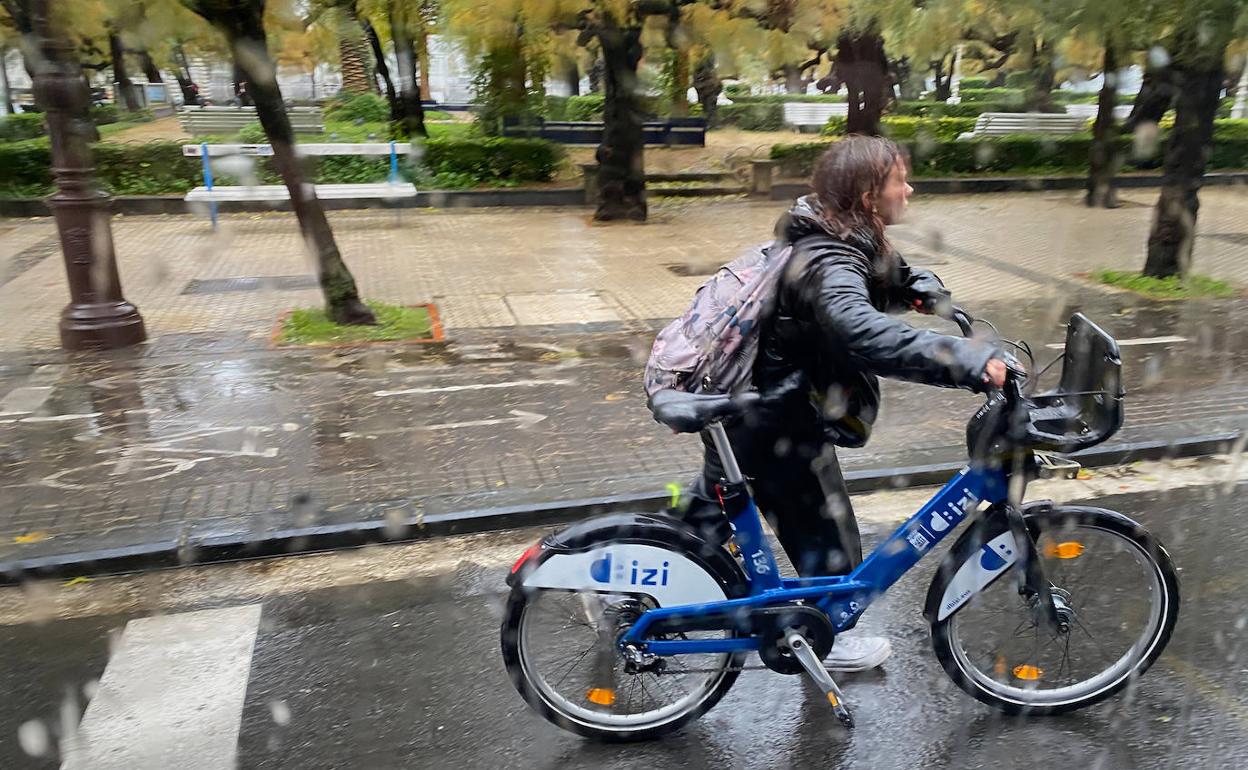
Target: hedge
column 155, row 168
column 366, row 108
column 751, row 117
column 18, row 128
column 1000, row 95
column 906, row 128
column 925, row 109
column 788, row 98
column 1021, row 154
column 975, row 82
column 1018, row 79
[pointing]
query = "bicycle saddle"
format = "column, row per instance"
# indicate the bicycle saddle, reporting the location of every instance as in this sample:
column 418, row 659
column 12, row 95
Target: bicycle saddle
column 691, row 412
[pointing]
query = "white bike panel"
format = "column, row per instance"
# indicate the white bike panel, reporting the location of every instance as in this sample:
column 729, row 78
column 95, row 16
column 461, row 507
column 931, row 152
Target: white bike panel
column 668, row 577
column 977, row 572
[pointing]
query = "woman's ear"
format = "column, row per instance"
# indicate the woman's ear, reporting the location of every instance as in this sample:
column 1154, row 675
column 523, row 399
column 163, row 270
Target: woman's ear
column 868, row 201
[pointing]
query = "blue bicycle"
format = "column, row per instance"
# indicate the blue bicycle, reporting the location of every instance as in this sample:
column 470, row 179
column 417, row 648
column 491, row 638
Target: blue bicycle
column 628, row 626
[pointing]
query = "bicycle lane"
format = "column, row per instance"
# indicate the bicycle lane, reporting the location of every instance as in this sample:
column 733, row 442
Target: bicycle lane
column 388, row 657
column 176, row 450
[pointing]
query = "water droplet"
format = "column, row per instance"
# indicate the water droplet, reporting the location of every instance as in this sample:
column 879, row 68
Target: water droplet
column 280, row 712
column 33, row 737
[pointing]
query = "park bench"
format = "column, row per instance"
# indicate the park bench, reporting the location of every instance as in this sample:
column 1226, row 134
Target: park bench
column 207, row 121
column 814, row 115
column 990, row 124
column 1089, row 111
column 664, row 133
column 391, row 189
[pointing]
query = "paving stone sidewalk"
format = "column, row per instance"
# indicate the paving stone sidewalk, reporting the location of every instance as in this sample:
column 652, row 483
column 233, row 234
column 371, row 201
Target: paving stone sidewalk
column 509, row 268
column 204, row 433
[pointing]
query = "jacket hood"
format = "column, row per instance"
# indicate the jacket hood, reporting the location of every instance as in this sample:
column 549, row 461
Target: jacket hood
column 803, row 219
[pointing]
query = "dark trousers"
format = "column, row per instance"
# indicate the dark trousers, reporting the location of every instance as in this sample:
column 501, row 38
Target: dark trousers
column 799, row 488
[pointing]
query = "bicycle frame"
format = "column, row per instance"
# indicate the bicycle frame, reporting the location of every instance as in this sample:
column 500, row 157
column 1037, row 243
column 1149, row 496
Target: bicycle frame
column 843, row 598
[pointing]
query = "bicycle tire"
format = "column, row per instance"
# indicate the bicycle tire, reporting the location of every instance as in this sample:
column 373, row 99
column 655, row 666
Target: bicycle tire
column 945, row 637
column 514, row 658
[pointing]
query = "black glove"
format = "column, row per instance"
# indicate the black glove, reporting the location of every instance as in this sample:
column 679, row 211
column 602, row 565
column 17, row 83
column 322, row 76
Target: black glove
column 926, row 294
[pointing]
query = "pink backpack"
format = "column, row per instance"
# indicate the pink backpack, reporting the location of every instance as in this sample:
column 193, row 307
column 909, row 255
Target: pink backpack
column 712, row 347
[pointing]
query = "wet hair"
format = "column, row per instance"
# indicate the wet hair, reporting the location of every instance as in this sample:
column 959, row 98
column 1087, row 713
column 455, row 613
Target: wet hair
column 850, row 167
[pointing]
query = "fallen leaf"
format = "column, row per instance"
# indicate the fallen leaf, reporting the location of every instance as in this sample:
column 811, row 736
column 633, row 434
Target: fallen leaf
column 31, row 537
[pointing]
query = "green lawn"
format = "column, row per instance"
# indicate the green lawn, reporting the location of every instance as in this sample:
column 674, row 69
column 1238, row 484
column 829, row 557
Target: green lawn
column 1166, row 288
column 310, row 326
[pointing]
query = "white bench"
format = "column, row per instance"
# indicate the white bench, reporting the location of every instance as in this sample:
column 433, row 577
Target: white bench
column 209, row 192
column 1006, row 123
column 200, row 121
column 1089, row 111
column 799, row 114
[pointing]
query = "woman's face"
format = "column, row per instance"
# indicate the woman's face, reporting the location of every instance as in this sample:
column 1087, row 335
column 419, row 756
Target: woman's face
column 892, row 198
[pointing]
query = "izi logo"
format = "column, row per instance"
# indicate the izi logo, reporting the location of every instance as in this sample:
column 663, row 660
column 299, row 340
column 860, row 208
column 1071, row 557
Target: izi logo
column 610, row 570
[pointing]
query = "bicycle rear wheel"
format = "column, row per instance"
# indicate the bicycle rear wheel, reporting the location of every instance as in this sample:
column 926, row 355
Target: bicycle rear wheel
column 561, row 649
column 1113, row 583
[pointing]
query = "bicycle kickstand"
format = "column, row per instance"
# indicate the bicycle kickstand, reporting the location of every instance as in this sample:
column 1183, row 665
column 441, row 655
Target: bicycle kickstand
column 814, row 667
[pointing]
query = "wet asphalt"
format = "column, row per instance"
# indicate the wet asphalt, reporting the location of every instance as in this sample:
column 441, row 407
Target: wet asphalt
column 407, row 673
column 175, row 443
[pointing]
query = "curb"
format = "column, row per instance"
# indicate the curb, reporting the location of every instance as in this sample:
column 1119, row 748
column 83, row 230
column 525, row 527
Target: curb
column 166, row 554
column 789, row 189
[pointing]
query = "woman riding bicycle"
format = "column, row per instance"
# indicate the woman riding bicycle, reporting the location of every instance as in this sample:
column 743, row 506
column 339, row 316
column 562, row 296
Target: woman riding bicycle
column 822, row 348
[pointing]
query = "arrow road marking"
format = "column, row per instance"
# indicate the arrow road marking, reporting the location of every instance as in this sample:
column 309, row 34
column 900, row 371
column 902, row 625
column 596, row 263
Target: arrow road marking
column 475, row 386
column 521, row 418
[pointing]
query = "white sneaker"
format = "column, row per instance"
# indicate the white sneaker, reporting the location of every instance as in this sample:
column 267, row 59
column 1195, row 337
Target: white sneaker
column 857, row 653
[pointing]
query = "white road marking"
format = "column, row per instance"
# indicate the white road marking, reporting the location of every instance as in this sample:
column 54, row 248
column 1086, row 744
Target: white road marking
column 24, row 400
column 475, row 386
column 522, row 419
column 1130, row 342
column 171, row 695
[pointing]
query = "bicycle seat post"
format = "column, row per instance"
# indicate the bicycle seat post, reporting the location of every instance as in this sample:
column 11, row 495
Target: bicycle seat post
column 727, row 460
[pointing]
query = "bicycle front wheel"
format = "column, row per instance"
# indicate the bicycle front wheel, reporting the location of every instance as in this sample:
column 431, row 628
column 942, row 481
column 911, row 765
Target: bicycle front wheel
column 1112, row 583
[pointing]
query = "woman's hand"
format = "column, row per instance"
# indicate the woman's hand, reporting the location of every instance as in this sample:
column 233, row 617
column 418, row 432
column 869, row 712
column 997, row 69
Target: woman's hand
column 995, row 372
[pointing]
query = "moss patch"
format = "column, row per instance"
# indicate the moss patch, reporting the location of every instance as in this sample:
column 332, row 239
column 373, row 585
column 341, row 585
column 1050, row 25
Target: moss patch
column 310, row 326
column 1166, row 288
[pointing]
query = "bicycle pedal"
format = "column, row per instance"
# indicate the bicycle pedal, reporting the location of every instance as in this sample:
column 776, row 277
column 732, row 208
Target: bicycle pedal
column 814, row 668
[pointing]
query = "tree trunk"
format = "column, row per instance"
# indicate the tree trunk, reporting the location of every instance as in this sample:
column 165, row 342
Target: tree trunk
column 421, row 40
column 1157, row 92
column 383, row 69
column 182, row 71
column 595, row 74
column 150, row 70
column 4, row 80
column 1174, row 220
column 121, row 77
column 708, row 85
column 353, row 58
column 680, row 82
column 242, row 22
column 862, row 64
column 1038, row 96
column 944, row 88
column 1103, row 158
column 572, row 76
column 411, row 112
column 794, row 83
column 621, row 158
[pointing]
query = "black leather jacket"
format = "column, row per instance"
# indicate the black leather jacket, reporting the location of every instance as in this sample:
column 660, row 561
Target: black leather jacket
column 829, row 335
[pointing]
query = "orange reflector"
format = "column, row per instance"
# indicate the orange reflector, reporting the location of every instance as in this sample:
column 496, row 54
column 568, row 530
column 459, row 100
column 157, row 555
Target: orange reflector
column 1068, row 550
column 601, row 695
column 832, row 699
column 1028, row 673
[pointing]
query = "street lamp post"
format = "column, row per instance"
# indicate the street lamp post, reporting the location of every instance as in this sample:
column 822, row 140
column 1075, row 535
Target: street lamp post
column 97, row 316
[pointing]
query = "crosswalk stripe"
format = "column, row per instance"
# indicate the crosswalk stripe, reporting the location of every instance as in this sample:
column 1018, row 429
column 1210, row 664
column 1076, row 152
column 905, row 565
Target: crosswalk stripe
column 171, row 695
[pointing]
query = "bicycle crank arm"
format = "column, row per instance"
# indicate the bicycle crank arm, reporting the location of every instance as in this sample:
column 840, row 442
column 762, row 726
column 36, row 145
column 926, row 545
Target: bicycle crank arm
column 814, row 667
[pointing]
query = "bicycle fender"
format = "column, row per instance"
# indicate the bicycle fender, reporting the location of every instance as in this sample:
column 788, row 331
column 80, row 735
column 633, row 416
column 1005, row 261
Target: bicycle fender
column 981, row 555
column 643, row 553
